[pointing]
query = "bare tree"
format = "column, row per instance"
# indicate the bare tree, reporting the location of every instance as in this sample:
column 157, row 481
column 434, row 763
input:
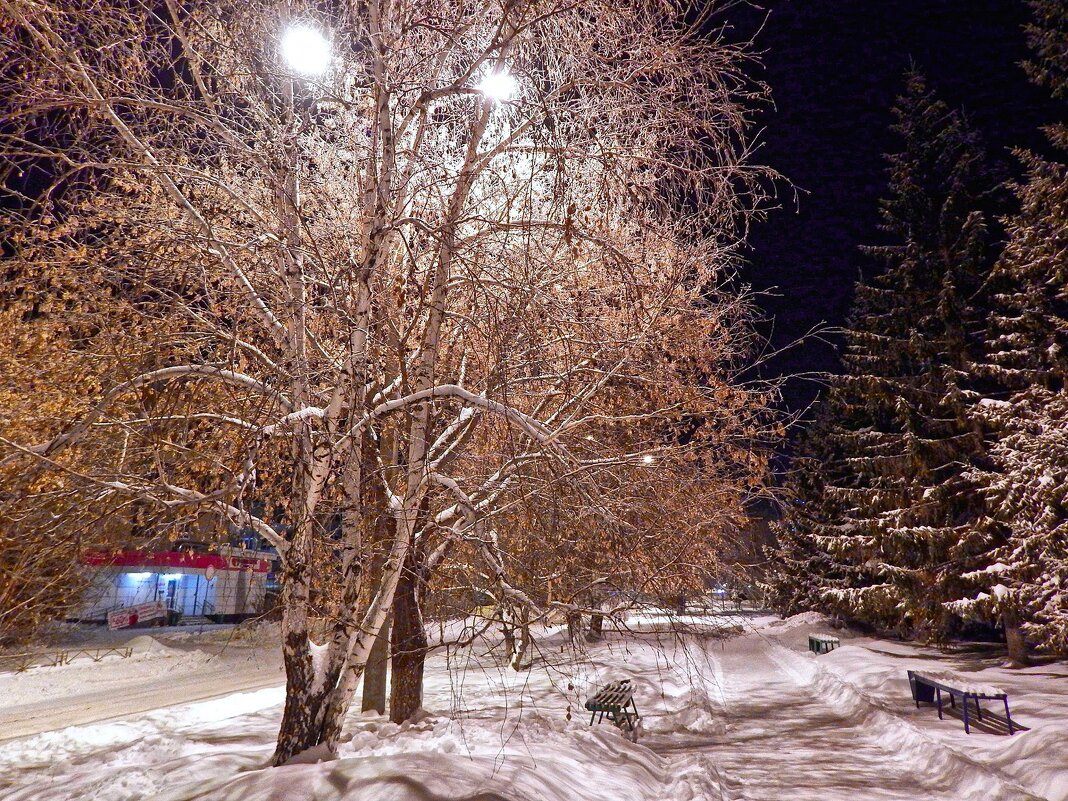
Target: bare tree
column 476, row 262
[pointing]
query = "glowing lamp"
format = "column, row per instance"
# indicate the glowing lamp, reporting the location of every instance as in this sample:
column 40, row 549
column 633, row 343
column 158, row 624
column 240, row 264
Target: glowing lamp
column 305, row 50
column 499, row 86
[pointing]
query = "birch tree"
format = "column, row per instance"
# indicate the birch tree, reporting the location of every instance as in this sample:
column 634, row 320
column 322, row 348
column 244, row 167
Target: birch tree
column 420, row 262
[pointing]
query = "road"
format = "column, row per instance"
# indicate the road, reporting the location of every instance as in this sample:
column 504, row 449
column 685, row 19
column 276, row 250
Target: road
column 121, row 689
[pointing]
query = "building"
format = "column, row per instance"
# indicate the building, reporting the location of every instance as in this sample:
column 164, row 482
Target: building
column 224, row 585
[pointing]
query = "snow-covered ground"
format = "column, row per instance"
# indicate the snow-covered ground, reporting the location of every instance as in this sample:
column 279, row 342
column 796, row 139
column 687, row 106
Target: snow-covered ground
column 164, row 669
column 750, row 716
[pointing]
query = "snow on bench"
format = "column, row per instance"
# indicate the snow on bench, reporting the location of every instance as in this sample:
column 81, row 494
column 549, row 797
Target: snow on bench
column 928, row 686
column 613, row 700
column 960, row 683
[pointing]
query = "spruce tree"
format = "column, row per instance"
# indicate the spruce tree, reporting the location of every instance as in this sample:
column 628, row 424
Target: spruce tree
column 899, row 516
column 811, row 558
column 1026, row 580
column 1026, row 403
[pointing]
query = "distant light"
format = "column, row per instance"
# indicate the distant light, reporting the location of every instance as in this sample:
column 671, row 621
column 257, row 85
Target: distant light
column 138, row 576
column 648, row 459
column 306, row 50
column 499, row 85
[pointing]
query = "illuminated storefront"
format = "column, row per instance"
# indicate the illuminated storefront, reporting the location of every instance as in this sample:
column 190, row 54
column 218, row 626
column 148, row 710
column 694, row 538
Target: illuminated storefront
column 229, row 584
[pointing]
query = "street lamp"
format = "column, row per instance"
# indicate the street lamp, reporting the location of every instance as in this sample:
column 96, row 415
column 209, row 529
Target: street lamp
column 498, row 85
column 305, row 50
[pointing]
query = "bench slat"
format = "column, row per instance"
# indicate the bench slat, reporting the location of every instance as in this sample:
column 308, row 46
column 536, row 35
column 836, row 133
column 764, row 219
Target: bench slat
column 611, row 698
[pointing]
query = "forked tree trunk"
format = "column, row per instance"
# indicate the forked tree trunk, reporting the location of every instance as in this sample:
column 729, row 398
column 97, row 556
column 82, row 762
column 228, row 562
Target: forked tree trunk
column 302, row 716
column 316, row 705
column 302, row 719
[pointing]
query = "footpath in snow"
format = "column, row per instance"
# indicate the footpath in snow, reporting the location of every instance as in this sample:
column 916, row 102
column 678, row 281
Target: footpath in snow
column 725, row 718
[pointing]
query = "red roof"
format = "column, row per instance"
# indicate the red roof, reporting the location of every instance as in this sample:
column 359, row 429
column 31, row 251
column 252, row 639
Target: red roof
column 175, row 559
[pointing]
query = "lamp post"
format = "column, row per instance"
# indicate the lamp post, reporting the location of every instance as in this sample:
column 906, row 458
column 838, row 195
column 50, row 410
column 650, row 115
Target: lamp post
column 306, row 51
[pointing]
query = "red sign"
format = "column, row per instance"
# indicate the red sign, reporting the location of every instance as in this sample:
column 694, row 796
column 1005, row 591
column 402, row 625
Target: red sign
column 132, row 615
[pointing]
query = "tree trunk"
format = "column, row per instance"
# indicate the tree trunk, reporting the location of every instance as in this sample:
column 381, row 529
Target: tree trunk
column 302, row 720
column 379, row 525
column 1019, row 654
column 302, row 716
column 524, row 639
column 574, row 626
column 373, row 620
column 374, row 676
column 596, row 627
column 409, row 641
column 596, row 631
column 507, row 630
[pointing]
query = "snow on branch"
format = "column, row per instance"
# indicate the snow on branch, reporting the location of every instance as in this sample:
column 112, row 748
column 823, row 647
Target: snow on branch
column 287, row 422
column 530, row 426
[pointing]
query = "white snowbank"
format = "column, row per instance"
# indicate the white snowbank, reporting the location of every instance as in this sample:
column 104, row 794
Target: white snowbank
column 743, row 718
column 795, row 621
column 538, row 764
column 145, row 644
column 870, row 681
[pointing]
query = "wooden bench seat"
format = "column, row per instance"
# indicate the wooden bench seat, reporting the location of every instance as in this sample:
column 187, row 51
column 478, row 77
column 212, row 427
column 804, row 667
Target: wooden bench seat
column 616, row 700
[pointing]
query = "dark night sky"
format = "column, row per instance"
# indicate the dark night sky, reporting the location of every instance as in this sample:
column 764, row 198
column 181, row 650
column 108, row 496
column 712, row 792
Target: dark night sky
column 835, row 68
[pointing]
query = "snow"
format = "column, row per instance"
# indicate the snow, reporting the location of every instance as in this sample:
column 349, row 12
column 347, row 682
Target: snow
column 803, row 619
column 958, row 682
column 319, row 655
column 187, row 667
column 989, row 570
column 739, row 718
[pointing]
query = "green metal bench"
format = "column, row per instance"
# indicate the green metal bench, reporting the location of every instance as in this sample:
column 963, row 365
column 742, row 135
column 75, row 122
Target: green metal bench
column 822, row 643
column 616, row 700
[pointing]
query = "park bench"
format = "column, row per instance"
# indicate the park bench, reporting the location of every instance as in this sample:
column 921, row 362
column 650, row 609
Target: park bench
column 616, row 700
column 928, row 687
column 822, row 643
